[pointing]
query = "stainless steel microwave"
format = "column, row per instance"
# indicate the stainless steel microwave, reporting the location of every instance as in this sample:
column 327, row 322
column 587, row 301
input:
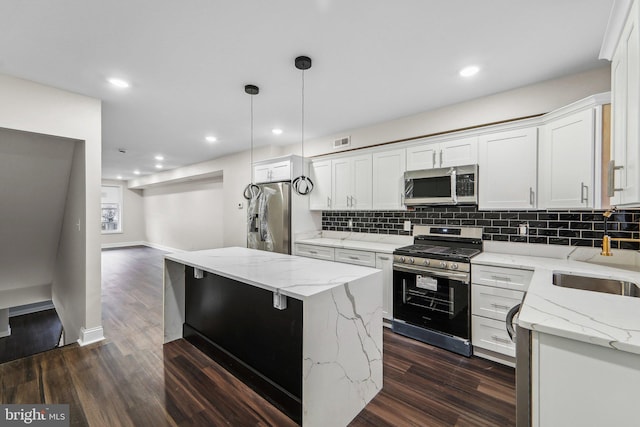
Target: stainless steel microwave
column 443, row 186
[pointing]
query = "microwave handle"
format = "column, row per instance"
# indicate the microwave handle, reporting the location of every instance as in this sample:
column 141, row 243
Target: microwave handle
column 454, row 190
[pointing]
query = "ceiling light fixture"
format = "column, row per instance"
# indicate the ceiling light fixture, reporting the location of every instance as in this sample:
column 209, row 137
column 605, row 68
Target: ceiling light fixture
column 119, row 177
column 211, row 138
column 469, row 71
column 302, row 184
column 118, row 82
column 276, row 131
column 159, row 158
column 136, row 172
column 251, row 191
column 158, row 166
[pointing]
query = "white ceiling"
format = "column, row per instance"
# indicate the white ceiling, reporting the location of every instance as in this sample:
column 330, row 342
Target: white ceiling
column 373, row 60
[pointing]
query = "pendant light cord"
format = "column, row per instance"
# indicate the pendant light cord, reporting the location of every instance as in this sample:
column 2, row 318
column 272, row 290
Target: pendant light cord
column 302, row 185
column 251, row 164
column 251, row 191
column 302, row 121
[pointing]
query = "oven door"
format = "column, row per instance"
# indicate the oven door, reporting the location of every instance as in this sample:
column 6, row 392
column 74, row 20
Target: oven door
column 433, row 299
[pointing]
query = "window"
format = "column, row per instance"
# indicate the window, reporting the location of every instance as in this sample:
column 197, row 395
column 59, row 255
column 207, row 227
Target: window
column 111, row 209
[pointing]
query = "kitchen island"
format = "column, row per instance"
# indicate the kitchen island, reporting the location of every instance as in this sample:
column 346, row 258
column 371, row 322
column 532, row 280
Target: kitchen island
column 304, row 333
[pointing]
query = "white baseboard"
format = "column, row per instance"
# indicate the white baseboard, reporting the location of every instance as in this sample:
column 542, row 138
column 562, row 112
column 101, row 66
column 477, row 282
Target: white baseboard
column 140, row 243
column 123, row 244
column 6, row 333
column 91, row 335
column 162, row 247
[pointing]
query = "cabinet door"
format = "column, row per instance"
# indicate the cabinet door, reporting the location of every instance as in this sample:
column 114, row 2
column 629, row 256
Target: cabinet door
column 388, row 179
column 626, row 110
column 281, row 171
column 385, row 263
column 507, row 170
column 362, row 175
column 459, row 152
column 567, row 162
column 320, row 173
column 423, row 156
column 341, row 188
column 262, row 173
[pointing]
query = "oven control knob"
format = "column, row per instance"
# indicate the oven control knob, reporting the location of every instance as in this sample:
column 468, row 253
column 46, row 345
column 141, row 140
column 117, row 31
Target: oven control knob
column 411, row 260
column 454, row 266
column 443, row 264
column 427, row 262
column 401, row 259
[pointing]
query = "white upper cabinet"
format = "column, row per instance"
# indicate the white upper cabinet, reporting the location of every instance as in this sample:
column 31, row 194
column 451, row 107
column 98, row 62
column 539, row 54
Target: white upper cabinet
column 625, row 132
column 279, row 169
column 351, row 182
column 567, row 162
column 455, row 152
column 388, row 179
column 507, row 169
column 320, row 174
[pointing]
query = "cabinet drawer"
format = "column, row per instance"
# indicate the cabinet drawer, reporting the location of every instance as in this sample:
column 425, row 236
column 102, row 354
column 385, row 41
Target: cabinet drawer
column 492, row 302
column 501, row 277
column 368, row 259
column 492, row 335
column 311, row 251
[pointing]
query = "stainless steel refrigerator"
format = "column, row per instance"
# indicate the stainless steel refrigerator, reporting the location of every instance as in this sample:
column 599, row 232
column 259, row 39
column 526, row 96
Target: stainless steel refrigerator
column 269, row 218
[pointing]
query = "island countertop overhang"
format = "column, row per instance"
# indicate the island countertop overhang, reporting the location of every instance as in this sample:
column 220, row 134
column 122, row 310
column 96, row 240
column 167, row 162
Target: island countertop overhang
column 293, row 276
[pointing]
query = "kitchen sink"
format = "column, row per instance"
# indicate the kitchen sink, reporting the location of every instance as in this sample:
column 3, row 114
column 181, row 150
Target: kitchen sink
column 596, row 284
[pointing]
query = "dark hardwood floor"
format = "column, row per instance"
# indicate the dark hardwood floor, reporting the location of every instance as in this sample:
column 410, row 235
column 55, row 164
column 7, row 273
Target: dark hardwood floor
column 131, row 379
column 31, row 334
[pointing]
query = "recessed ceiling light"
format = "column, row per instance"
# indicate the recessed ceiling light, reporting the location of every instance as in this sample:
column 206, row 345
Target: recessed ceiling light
column 119, row 177
column 159, row 158
column 276, row 131
column 211, row 138
column 158, row 166
column 118, row 82
column 469, row 71
column 136, row 172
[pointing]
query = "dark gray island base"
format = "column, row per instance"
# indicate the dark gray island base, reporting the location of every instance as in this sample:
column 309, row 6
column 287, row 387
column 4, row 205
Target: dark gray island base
column 305, row 334
column 236, row 325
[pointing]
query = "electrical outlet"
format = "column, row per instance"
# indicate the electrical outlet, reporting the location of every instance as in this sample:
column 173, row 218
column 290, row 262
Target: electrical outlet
column 522, row 229
column 407, row 226
column 240, row 205
column 350, row 223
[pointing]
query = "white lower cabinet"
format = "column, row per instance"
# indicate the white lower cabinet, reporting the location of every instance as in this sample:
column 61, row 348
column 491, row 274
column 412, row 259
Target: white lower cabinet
column 574, row 383
column 378, row 260
column 494, row 291
column 313, row 251
column 385, row 263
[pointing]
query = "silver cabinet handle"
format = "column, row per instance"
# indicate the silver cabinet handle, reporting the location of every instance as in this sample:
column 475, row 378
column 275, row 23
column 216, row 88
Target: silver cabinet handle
column 434, row 158
column 500, row 339
column 611, row 178
column 328, row 201
column 583, row 198
column 440, row 157
column 353, row 257
column 384, row 258
column 532, row 196
column 494, row 305
column 313, row 252
column 503, row 278
column 347, row 201
column 353, row 201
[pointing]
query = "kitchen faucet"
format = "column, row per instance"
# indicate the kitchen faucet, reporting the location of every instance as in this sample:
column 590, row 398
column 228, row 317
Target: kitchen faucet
column 606, row 240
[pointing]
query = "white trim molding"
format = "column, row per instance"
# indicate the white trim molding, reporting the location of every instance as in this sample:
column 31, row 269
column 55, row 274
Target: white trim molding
column 6, row 333
column 124, row 244
column 91, row 335
column 162, row 247
column 31, row 308
column 617, row 18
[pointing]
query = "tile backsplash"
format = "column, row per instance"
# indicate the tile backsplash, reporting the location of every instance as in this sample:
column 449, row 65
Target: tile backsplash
column 571, row 228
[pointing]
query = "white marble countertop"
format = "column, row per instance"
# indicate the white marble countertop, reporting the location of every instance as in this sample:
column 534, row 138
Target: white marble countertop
column 382, row 243
column 294, row 276
column 602, row 319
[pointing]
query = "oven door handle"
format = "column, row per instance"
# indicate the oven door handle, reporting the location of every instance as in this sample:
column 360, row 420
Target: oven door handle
column 462, row 277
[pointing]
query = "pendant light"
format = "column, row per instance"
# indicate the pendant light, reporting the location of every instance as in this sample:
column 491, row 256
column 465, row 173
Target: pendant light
column 251, row 190
column 302, row 184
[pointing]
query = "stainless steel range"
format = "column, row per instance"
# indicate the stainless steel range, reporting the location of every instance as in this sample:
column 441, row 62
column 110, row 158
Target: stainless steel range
column 432, row 286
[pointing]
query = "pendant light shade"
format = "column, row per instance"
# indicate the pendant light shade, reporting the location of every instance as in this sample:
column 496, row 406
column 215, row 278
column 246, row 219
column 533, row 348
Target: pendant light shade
column 302, row 184
column 251, row 190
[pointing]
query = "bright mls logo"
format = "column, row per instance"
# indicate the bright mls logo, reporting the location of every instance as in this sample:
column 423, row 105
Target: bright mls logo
column 34, row 415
